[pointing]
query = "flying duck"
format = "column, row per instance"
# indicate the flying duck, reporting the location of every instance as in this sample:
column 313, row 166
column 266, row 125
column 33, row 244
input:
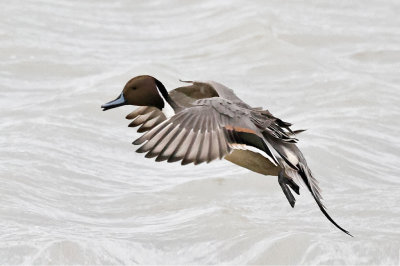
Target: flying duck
column 205, row 121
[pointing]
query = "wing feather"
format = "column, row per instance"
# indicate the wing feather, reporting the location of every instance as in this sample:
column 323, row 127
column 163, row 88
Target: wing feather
column 213, row 151
column 196, row 134
column 140, row 119
column 190, row 149
column 150, row 123
column 149, row 134
column 140, row 111
column 171, row 146
column 146, row 116
column 223, row 145
column 181, row 149
column 155, row 138
column 163, row 141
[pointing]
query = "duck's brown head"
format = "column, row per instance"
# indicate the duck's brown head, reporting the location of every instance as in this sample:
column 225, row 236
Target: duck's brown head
column 142, row 91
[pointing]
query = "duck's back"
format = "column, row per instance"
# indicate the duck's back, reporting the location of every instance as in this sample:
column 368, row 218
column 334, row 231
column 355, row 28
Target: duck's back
column 186, row 95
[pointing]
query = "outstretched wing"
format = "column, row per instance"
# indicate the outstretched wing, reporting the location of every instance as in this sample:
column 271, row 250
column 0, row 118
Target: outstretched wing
column 208, row 130
column 146, row 117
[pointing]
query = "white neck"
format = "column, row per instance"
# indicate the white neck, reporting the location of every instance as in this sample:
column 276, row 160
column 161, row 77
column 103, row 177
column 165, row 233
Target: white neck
column 167, row 110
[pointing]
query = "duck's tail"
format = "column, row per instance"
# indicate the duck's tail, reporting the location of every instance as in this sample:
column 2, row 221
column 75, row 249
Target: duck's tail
column 312, row 185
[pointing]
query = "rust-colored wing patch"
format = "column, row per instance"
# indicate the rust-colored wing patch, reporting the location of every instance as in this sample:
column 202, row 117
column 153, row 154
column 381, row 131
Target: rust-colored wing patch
column 239, row 129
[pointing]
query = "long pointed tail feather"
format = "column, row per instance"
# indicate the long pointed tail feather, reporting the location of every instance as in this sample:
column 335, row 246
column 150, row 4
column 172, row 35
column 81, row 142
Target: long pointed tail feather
column 311, row 183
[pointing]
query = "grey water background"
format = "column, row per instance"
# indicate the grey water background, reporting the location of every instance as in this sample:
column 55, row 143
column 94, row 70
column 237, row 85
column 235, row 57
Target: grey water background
column 73, row 191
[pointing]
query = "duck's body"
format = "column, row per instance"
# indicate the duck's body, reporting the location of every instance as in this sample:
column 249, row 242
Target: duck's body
column 205, row 121
column 149, row 117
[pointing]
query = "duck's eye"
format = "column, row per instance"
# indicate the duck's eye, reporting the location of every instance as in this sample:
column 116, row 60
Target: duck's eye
column 133, row 88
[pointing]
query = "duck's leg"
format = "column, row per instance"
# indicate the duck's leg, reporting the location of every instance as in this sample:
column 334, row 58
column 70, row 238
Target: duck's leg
column 284, row 182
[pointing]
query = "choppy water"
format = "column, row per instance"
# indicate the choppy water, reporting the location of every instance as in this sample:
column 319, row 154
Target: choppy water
column 73, row 191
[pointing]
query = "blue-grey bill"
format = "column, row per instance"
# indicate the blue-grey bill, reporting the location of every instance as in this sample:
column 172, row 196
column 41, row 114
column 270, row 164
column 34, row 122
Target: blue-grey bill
column 115, row 103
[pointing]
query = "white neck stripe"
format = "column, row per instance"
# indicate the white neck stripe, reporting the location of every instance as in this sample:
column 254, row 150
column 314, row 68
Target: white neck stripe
column 167, row 110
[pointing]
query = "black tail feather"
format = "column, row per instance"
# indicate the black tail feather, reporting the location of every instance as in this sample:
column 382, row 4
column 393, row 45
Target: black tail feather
column 306, row 175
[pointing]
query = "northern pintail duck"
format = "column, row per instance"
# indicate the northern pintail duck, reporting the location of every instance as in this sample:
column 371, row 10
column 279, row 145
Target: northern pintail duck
column 205, row 121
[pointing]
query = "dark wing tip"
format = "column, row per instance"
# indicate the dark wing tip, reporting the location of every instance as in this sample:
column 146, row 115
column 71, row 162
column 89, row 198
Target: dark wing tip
column 299, row 131
column 133, row 124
